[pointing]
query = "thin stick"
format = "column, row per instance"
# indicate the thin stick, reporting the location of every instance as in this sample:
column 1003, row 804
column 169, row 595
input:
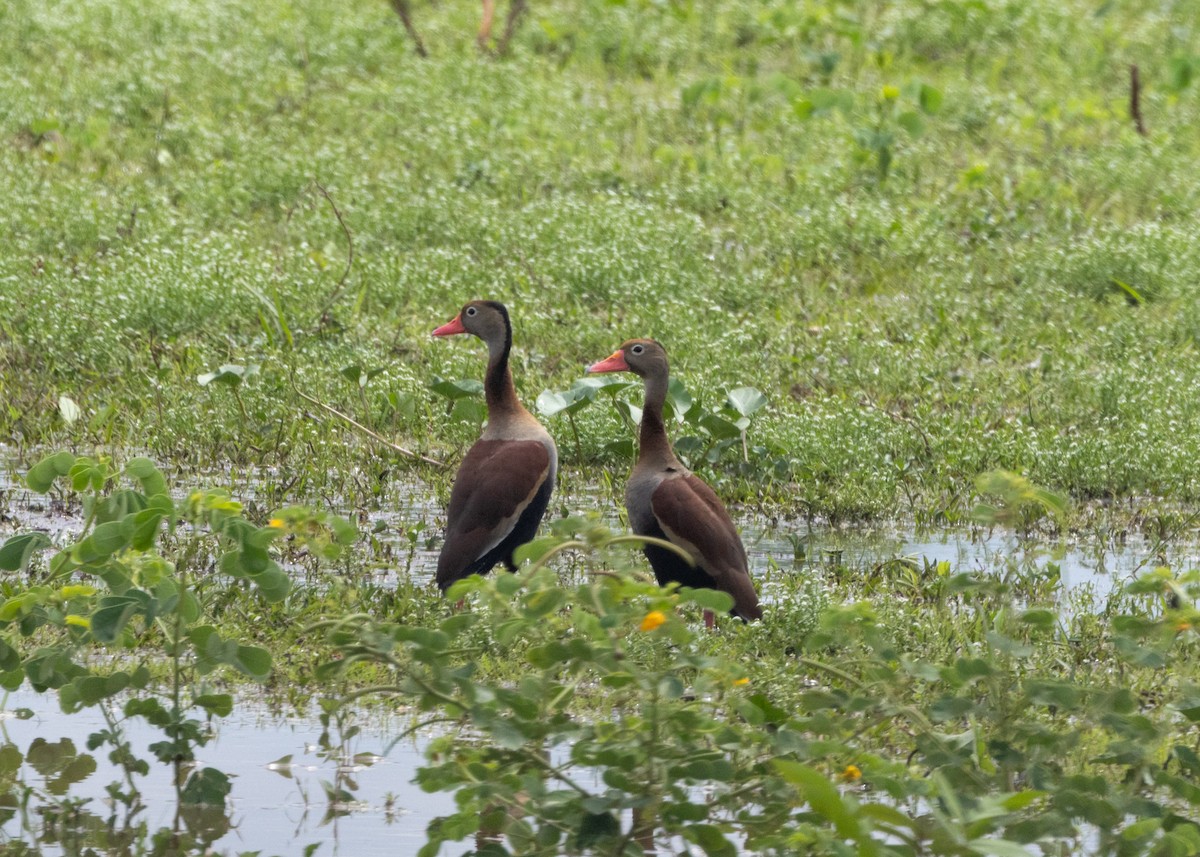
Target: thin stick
column 1135, row 100
column 341, row 284
column 378, row 437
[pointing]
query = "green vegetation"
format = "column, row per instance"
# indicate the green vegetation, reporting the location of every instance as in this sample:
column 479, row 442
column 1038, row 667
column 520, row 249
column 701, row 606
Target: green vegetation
column 951, row 714
column 911, row 259
column 928, row 232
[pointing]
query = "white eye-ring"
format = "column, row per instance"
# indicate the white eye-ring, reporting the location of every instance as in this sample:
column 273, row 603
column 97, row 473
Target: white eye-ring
column 637, row 349
column 471, row 310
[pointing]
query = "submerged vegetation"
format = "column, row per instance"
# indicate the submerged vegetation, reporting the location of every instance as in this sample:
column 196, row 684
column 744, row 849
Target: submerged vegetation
column 910, row 260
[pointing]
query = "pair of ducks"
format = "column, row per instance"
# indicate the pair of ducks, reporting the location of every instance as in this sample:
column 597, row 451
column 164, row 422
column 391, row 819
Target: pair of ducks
column 503, row 485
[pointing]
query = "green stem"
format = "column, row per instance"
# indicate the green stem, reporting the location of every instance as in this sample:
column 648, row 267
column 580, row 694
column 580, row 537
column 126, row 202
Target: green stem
column 575, row 432
column 651, row 540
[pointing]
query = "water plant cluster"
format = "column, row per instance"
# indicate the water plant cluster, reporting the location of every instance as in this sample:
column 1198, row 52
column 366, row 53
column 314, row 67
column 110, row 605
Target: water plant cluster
column 910, row 259
column 578, row 708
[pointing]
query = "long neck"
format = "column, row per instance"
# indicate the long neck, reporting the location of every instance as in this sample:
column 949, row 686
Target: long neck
column 653, row 440
column 498, row 387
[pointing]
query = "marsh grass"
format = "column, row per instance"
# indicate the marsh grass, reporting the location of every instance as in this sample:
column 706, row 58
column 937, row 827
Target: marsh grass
column 928, row 233
column 708, row 174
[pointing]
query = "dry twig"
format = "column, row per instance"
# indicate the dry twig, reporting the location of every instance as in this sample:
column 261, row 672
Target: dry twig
column 1135, row 100
column 372, row 434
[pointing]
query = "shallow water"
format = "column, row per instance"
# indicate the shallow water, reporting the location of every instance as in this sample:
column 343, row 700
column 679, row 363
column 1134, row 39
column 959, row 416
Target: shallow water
column 282, row 807
column 402, row 537
column 277, row 806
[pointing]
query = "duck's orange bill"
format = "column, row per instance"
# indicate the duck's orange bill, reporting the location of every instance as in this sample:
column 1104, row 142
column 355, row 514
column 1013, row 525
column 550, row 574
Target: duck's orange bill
column 451, row 327
column 614, row 362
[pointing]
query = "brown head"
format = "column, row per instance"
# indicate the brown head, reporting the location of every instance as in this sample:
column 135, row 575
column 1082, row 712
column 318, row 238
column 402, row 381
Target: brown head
column 643, row 357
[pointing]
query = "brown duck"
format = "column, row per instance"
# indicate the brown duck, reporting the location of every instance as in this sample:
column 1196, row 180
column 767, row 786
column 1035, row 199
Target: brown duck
column 667, row 501
column 503, row 485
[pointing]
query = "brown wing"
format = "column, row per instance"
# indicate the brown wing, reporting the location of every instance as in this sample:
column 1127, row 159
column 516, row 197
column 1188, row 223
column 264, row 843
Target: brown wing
column 693, row 517
column 495, row 482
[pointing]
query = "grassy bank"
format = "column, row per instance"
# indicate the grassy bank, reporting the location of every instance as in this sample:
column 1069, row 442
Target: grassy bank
column 930, row 234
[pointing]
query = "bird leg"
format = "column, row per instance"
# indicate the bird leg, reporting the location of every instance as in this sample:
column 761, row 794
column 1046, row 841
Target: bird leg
column 485, row 24
column 516, row 10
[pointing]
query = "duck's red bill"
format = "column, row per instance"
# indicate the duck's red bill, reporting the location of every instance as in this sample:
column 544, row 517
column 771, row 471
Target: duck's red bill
column 615, row 362
column 451, row 327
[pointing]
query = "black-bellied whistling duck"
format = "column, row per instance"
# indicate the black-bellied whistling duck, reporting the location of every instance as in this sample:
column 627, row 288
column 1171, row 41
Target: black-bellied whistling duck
column 503, row 485
column 667, row 501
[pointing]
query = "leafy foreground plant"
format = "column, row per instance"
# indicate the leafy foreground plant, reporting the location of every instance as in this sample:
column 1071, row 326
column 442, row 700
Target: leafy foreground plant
column 621, row 729
column 114, row 587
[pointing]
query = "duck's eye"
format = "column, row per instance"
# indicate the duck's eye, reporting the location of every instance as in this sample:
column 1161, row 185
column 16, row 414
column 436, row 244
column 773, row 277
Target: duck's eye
column 637, row 349
column 471, row 310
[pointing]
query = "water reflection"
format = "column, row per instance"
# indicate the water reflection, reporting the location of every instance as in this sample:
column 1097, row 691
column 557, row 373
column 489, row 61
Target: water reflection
column 291, row 788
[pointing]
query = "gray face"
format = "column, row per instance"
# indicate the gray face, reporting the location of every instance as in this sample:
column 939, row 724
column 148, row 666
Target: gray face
column 645, row 357
column 483, row 320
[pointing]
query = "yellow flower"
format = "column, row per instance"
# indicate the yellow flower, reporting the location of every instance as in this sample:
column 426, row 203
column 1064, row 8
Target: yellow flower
column 653, row 619
column 741, row 681
column 277, row 523
column 852, row 773
column 890, row 93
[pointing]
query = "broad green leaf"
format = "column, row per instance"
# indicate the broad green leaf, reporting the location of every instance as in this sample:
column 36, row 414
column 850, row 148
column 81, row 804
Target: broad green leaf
column 206, row 786
column 747, row 401
column 42, row 475
column 1181, row 71
column 453, row 390
column 1000, row 848
column 821, row 795
column 929, row 98
column 114, row 612
column 104, row 541
column 1020, row 800
column 535, row 550
column 911, row 121
column 551, row 402
column 254, row 661
column 679, row 400
column 887, row 814
column 10, row 658
column 469, row 411
column 719, row 427
column 220, row 704
column 710, row 599
column 11, row 759
column 710, row 839
column 273, row 583
column 230, row 375
column 16, row 552
column 142, row 529
column 356, row 374
column 1040, row 618
column 151, row 478
column 1141, row 828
